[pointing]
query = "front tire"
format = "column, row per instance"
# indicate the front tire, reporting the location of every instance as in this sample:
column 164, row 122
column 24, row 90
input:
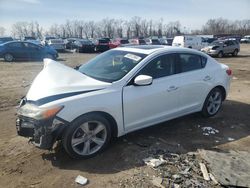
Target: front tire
column 87, row 136
column 8, row 57
column 212, row 103
column 235, row 53
column 220, row 54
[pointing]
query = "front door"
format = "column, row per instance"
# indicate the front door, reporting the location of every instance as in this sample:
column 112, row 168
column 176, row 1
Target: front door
column 147, row 105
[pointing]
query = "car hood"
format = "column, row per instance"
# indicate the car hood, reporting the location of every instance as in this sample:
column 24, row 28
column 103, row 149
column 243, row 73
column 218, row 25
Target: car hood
column 59, row 80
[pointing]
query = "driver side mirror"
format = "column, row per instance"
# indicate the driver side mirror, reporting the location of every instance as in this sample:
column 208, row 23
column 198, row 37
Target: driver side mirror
column 143, row 80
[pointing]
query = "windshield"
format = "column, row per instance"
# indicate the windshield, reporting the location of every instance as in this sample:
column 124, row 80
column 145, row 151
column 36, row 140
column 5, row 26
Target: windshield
column 111, row 65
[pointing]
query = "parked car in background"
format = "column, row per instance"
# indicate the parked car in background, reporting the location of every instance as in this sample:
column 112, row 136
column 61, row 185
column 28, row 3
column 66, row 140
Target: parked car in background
column 84, row 45
column 102, row 44
column 148, row 41
column 46, row 39
column 170, row 41
column 15, row 50
column 5, row 39
column 138, row 41
column 221, row 47
column 69, row 43
column 118, row 42
column 57, row 44
column 194, row 42
column 159, row 41
column 245, row 39
column 117, row 92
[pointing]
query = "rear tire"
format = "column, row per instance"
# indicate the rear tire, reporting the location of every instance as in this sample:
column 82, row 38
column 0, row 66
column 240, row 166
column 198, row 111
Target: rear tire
column 8, row 57
column 212, row 103
column 87, row 136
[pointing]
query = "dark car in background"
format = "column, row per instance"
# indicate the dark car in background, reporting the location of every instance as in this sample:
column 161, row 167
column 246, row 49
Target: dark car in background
column 102, row 44
column 159, row 41
column 84, row 45
column 14, row 50
column 5, row 39
column 69, row 43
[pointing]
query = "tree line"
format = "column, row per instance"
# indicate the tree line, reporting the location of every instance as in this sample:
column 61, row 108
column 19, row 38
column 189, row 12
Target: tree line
column 135, row 27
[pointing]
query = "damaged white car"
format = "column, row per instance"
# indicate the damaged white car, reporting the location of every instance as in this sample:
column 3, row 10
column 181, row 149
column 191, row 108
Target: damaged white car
column 117, row 92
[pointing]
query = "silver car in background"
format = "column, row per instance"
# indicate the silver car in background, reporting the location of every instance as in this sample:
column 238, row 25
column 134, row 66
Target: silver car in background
column 57, row 44
column 221, row 47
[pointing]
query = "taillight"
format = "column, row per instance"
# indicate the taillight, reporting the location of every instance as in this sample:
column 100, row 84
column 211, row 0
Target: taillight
column 229, row 72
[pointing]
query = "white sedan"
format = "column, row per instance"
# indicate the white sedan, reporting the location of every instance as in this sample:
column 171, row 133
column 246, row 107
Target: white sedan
column 119, row 91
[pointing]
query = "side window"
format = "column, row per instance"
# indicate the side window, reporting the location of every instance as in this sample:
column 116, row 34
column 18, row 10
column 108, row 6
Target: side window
column 28, row 45
column 189, row 62
column 160, row 67
column 15, row 45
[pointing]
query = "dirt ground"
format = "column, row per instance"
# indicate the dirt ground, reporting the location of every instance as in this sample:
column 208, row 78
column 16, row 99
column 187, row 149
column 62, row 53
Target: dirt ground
column 121, row 165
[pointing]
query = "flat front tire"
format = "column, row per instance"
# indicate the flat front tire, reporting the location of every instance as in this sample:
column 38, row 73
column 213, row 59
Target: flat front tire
column 212, row 103
column 87, row 136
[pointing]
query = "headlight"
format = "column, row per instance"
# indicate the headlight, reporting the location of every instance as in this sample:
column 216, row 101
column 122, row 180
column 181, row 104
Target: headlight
column 35, row 112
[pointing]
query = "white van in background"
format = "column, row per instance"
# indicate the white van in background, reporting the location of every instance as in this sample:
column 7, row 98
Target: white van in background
column 194, row 42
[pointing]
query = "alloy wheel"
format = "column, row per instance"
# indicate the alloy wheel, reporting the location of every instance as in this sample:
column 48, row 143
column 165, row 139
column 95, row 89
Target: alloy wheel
column 214, row 103
column 8, row 57
column 88, row 138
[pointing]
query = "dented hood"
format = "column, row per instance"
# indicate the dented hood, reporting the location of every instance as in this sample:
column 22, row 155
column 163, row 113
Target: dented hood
column 58, row 79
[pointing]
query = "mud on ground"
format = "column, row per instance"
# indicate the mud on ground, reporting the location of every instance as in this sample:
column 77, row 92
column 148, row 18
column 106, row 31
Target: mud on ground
column 121, row 165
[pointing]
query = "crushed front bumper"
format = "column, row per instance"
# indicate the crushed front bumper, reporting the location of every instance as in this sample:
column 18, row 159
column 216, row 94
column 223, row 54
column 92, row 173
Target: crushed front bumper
column 43, row 133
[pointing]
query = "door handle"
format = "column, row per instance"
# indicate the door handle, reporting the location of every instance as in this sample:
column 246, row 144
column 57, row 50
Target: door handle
column 207, row 78
column 172, row 88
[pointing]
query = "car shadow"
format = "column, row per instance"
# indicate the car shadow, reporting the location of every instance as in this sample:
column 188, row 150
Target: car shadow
column 180, row 135
column 29, row 61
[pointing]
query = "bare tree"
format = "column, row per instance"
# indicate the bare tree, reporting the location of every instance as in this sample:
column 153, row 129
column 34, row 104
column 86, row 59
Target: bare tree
column 2, row 31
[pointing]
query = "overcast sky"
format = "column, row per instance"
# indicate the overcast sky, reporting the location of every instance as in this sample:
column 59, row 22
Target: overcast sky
column 191, row 13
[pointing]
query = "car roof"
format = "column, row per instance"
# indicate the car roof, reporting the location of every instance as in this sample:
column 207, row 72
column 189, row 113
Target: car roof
column 148, row 49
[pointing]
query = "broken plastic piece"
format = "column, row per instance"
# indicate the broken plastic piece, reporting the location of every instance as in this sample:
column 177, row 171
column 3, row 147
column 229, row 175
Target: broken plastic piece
column 81, row 180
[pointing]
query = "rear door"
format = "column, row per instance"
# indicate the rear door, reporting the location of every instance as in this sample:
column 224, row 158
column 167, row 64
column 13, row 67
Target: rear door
column 147, row 105
column 33, row 51
column 194, row 81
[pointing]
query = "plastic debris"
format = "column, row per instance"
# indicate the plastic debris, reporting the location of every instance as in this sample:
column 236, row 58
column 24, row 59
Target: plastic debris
column 152, row 162
column 81, row 180
column 230, row 139
column 209, row 130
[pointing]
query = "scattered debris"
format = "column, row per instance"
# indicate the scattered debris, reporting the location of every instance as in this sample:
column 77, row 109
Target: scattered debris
column 81, row 180
column 235, row 78
column 204, row 172
column 230, row 139
column 209, row 130
column 152, row 162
